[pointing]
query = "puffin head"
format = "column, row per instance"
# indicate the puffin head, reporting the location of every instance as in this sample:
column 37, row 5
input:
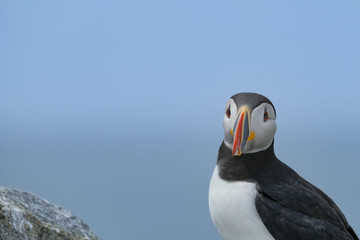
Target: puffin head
column 249, row 123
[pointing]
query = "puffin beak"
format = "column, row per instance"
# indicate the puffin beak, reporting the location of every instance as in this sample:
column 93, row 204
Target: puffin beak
column 241, row 131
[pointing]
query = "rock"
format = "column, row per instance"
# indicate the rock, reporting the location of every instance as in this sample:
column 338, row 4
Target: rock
column 24, row 216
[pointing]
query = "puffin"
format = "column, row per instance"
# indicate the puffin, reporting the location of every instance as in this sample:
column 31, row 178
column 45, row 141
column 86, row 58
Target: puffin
column 255, row 196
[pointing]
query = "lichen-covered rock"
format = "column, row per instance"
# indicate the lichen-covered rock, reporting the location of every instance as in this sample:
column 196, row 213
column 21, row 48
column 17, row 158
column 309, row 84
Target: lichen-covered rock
column 24, row 216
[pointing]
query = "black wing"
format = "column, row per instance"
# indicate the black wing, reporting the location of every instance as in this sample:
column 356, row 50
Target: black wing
column 295, row 209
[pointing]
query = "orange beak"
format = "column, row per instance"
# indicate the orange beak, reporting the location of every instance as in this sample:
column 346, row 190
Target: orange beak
column 241, row 131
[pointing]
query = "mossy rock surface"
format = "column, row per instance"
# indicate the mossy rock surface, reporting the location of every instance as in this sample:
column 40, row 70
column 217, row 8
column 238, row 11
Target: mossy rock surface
column 25, row 216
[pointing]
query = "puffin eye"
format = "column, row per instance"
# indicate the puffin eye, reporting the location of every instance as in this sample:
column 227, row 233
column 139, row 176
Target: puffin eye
column 228, row 112
column 266, row 115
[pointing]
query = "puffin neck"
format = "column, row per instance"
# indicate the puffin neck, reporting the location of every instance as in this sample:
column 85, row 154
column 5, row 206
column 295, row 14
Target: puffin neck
column 246, row 167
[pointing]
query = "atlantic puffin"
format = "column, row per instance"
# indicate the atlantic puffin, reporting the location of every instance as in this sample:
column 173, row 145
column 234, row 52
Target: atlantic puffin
column 255, row 196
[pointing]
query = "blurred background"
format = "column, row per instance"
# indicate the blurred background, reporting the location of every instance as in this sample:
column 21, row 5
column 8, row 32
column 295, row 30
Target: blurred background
column 113, row 109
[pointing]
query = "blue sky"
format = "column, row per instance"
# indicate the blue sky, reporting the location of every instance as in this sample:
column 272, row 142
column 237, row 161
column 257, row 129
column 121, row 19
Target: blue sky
column 113, row 109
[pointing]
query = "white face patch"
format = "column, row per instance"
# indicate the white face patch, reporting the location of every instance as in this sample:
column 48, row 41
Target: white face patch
column 263, row 124
column 229, row 121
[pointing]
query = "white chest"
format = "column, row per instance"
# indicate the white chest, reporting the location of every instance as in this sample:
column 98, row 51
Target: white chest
column 233, row 211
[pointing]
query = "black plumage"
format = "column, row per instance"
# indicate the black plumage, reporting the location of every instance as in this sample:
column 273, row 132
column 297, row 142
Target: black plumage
column 289, row 206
